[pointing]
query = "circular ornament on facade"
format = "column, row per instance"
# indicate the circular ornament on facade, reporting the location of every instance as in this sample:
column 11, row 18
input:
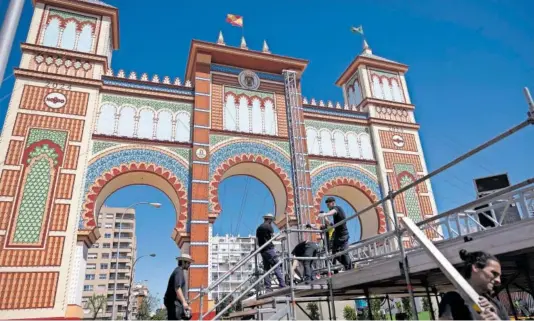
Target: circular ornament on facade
column 249, row 80
column 55, row 100
column 398, row 141
column 201, row 153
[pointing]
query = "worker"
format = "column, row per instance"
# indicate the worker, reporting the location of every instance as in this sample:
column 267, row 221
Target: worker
column 341, row 232
column 483, row 272
column 264, row 233
column 305, row 249
column 174, row 299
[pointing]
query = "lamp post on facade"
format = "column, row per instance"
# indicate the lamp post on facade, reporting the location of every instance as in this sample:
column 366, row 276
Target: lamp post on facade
column 130, row 286
column 113, row 307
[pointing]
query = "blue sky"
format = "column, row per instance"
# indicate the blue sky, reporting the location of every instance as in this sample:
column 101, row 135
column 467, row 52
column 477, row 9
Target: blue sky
column 468, row 63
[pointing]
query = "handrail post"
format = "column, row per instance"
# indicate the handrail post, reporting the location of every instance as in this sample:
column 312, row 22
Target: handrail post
column 331, row 303
column 404, row 258
column 201, row 302
column 290, row 271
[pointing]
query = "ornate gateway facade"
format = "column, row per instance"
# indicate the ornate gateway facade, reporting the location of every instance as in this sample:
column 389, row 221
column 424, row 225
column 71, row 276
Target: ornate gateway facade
column 75, row 132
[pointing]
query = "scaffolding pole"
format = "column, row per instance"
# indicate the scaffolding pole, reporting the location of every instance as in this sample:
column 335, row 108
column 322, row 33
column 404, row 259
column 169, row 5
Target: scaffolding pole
column 7, row 33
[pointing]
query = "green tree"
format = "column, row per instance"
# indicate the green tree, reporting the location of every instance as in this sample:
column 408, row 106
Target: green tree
column 161, row 314
column 349, row 313
column 375, row 309
column 223, row 305
column 146, row 307
column 407, row 307
column 96, row 303
column 426, row 304
column 313, row 308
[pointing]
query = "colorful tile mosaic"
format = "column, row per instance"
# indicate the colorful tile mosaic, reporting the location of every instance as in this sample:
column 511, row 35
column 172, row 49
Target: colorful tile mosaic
column 99, row 146
column 315, row 164
column 332, row 172
column 69, row 15
column 185, row 153
column 221, row 153
column 336, row 126
column 136, row 155
column 336, row 112
column 37, row 134
column 248, row 93
column 140, row 102
column 147, row 86
column 411, row 200
column 236, row 71
column 399, row 168
column 217, row 139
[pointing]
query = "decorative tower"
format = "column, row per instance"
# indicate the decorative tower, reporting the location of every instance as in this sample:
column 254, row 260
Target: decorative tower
column 46, row 140
column 377, row 86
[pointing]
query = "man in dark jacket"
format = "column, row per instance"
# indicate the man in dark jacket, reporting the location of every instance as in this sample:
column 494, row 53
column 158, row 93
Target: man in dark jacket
column 341, row 232
column 305, row 249
column 174, row 299
column 264, row 233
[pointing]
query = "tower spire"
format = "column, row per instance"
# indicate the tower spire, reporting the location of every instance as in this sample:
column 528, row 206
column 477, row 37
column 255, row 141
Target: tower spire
column 265, row 47
column 243, row 43
column 366, row 48
column 220, row 40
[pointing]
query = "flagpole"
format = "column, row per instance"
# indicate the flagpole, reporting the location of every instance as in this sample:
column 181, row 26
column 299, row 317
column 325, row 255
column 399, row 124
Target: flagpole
column 7, row 33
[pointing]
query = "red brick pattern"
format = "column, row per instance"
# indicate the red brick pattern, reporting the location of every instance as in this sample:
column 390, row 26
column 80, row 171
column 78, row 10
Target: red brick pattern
column 5, row 214
column 386, row 140
column 65, row 186
column 49, row 256
column 18, row 294
column 60, row 216
column 14, row 152
column 217, row 106
column 9, row 182
column 33, row 98
column 395, row 158
column 71, row 157
column 280, row 110
column 25, row 121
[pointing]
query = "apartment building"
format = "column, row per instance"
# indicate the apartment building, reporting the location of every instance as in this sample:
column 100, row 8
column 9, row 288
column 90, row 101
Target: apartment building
column 225, row 252
column 102, row 259
column 139, row 293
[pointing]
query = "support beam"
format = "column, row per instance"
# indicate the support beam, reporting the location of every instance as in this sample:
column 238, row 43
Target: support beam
column 306, row 313
column 368, row 304
column 7, row 33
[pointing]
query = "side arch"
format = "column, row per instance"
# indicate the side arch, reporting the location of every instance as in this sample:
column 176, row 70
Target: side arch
column 120, row 167
column 357, row 187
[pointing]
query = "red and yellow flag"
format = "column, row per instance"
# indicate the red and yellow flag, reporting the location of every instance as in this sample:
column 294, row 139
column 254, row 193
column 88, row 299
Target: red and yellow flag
column 234, row 20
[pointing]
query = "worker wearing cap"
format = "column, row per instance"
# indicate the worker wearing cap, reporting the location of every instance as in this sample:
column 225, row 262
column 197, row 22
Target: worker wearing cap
column 174, row 299
column 264, row 233
column 341, row 232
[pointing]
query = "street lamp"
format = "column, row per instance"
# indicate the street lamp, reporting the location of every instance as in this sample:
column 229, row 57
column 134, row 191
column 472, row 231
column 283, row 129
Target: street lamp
column 130, row 286
column 114, row 310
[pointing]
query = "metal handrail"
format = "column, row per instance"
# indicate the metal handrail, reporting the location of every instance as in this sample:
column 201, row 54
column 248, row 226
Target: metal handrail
column 483, row 200
column 268, row 273
column 230, row 294
column 237, row 266
column 457, row 160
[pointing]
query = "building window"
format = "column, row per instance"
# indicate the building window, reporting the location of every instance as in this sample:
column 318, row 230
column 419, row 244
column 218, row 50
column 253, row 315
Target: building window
column 105, row 255
column 104, row 266
column 109, row 225
column 92, row 256
column 89, row 276
column 91, row 266
column 106, row 245
column 88, row 288
column 107, row 235
column 102, row 276
column 109, row 216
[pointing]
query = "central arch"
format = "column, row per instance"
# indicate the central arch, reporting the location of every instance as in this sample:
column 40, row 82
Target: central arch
column 266, row 171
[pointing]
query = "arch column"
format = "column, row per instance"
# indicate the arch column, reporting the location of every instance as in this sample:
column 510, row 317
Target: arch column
column 200, row 157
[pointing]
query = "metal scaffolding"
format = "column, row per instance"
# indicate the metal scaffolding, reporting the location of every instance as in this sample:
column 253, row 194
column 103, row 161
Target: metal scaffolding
column 392, row 242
